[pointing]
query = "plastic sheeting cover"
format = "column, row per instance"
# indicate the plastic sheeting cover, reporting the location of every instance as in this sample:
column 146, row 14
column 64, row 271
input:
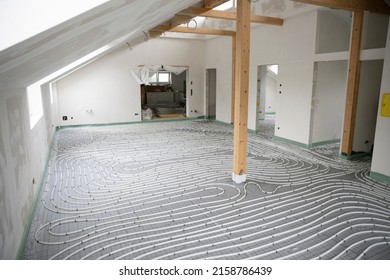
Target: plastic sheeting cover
column 144, row 72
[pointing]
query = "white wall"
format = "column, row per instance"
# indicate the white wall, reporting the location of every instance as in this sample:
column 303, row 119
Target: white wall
column 381, row 155
column 374, row 31
column 333, row 31
column 262, row 95
column 218, row 55
column 23, row 154
column 272, row 89
column 328, row 100
column 211, row 91
column 108, row 88
column 295, row 60
column 292, row 48
column 367, row 107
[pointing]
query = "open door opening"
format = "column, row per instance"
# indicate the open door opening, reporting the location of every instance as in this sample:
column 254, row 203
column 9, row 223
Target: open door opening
column 211, row 93
column 267, row 80
column 165, row 96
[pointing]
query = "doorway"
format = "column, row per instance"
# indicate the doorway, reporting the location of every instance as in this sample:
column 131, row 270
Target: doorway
column 267, row 80
column 165, row 96
column 211, row 93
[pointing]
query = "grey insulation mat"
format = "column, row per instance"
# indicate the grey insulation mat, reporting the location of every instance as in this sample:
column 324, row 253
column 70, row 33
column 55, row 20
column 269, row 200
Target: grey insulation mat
column 164, row 191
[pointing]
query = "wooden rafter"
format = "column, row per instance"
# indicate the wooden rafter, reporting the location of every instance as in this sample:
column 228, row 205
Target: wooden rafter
column 179, row 19
column 182, row 19
column 196, row 11
column 375, row 6
column 204, row 31
column 155, row 33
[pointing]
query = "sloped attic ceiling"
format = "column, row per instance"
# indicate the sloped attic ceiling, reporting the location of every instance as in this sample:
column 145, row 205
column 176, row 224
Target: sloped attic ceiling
column 117, row 21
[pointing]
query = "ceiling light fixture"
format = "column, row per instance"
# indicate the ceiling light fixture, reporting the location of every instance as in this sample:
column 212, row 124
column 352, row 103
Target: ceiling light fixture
column 196, row 24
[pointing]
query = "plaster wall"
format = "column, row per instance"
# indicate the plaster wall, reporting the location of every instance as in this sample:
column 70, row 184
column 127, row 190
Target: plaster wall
column 271, row 93
column 218, row 55
column 381, row 153
column 367, row 108
column 374, row 31
column 105, row 91
column 23, row 154
column 333, row 31
column 262, row 94
column 328, row 100
column 292, row 47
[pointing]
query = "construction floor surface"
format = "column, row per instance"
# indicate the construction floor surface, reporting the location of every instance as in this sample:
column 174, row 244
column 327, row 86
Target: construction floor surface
column 164, row 191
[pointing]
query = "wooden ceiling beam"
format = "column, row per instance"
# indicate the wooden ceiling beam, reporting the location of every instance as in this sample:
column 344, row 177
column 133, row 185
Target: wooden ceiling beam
column 155, row 33
column 196, row 11
column 375, row 6
column 203, row 31
column 179, row 19
column 210, row 4
column 173, row 24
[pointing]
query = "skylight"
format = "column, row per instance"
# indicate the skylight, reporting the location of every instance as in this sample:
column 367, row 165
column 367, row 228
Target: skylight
column 226, row 6
column 34, row 97
column 274, row 69
column 29, row 18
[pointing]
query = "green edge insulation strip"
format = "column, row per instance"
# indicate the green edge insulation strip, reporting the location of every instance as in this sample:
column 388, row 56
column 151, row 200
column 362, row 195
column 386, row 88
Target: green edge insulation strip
column 380, row 177
column 355, row 155
column 299, row 144
column 137, row 122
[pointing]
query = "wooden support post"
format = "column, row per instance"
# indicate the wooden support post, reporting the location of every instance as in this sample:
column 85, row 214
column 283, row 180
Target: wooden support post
column 241, row 92
column 233, row 77
column 352, row 85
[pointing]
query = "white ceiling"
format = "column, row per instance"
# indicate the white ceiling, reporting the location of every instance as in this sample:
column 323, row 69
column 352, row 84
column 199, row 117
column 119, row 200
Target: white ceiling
column 98, row 31
column 273, row 8
column 106, row 26
column 28, row 18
